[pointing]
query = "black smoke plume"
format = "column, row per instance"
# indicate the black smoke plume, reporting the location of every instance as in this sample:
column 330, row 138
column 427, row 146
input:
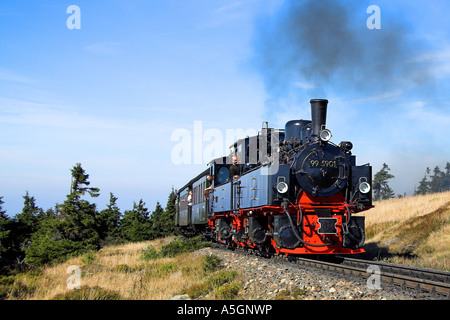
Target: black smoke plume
column 323, row 45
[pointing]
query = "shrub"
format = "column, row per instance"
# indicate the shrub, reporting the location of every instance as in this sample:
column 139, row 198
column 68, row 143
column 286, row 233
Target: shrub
column 292, row 293
column 173, row 248
column 179, row 246
column 211, row 263
column 149, row 253
column 89, row 293
column 228, row 291
column 89, row 258
column 198, row 290
column 213, row 281
column 166, row 268
column 222, row 277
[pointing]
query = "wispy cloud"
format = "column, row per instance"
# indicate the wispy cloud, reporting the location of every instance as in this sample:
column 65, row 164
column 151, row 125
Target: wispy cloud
column 104, row 48
column 228, row 7
column 384, row 97
column 7, row 75
column 437, row 63
column 438, row 55
column 428, row 115
column 54, row 117
column 304, row 85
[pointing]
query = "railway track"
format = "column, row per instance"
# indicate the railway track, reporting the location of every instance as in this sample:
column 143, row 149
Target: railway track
column 427, row 280
column 434, row 282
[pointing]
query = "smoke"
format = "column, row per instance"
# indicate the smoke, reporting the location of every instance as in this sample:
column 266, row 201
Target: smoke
column 323, row 47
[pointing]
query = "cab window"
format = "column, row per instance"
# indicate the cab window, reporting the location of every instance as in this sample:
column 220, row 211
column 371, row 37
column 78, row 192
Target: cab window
column 222, row 175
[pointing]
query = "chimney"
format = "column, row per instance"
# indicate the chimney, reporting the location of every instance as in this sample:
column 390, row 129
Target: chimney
column 318, row 116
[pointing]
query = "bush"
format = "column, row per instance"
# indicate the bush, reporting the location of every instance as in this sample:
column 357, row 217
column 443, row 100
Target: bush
column 89, row 258
column 228, row 291
column 166, row 268
column 149, row 253
column 214, row 281
column 89, row 293
column 211, row 263
column 179, row 246
column 172, row 249
column 222, row 277
column 198, row 290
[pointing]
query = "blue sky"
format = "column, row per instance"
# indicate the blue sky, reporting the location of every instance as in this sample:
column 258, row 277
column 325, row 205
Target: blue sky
column 110, row 94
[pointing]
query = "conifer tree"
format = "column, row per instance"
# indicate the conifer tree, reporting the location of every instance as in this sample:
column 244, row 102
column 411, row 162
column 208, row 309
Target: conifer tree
column 169, row 214
column 5, row 232
column 73, row 227
column 424, row 184
column 382, row 190
column 135, row 225
column 437, row 181
column 109, row 221
column 27, row 223
column 157, row 222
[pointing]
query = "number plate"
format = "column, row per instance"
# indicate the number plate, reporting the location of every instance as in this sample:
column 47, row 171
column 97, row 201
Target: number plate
column 327, row 226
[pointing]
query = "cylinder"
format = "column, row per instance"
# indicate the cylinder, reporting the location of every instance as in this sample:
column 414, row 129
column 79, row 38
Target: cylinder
column 318, row 116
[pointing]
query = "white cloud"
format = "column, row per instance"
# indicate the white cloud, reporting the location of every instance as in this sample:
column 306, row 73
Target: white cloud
column 104, row 48
column 229, row 7
column 10, row 76
column 437, row 63
column 304, row 85
column 384, row 97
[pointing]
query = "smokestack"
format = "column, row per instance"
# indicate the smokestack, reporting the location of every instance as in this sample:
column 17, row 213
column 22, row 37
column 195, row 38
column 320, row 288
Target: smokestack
column 318, row 116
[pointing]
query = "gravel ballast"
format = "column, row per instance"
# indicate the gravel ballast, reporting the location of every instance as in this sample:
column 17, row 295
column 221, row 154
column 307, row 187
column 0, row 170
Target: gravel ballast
column 275, row 278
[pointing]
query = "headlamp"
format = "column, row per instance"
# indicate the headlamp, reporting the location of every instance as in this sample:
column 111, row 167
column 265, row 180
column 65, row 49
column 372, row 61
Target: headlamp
column 325, row 135
column 364, row 187
column 282, row 187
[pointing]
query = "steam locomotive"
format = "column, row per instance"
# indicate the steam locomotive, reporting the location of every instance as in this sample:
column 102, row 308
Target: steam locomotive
column 296, row 192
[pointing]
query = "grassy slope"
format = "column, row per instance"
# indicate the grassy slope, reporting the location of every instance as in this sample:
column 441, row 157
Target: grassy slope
column 119, row 272
column 413, row 230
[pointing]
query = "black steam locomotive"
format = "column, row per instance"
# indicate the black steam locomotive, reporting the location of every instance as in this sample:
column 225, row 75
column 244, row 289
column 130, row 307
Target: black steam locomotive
column 292, row 191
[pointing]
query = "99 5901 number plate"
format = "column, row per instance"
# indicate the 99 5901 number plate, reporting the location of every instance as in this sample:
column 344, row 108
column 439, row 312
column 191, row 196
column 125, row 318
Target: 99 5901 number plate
column 327, row 226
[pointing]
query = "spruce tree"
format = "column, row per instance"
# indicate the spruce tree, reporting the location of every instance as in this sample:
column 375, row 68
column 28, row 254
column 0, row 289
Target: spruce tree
column 382, row 190
column 109, row 221
column 6, row 225
column 69, row 230
column 27, row 223
column 157, row 222
column 135, row 225
column 424, row 184
column 169, row 214
column 437, row 181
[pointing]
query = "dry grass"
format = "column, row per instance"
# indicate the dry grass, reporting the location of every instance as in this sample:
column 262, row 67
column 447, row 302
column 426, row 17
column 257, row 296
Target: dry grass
column 413, row 230
column 115, row 272
column 398, row 210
